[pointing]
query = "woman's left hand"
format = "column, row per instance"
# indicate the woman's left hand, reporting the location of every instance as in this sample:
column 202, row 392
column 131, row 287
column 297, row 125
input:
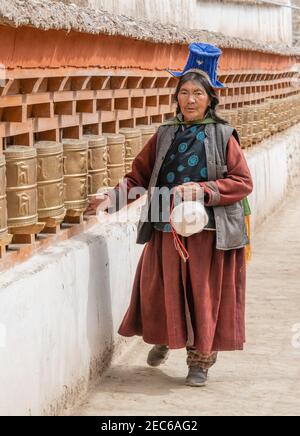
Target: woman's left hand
column 97, row 204
column 191, row 191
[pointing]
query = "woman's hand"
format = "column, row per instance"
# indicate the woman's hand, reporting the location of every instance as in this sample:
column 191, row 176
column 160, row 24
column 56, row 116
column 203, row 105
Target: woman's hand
column 191, row 191
column 97, row 204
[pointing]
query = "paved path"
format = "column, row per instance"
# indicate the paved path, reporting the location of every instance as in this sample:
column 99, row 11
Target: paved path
column 262, row 380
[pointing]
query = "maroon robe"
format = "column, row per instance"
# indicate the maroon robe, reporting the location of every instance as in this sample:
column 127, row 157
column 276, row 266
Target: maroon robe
column 201, row 302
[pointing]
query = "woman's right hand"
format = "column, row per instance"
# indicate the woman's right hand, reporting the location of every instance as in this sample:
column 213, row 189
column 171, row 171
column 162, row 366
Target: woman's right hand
column 97, row 204
column 191, row 191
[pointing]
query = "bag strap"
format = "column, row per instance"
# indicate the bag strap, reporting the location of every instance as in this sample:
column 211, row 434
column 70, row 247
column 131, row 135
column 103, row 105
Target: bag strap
column 183, row 253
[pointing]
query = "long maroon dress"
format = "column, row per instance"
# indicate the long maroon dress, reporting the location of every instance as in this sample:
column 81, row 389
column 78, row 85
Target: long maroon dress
column 200, row 302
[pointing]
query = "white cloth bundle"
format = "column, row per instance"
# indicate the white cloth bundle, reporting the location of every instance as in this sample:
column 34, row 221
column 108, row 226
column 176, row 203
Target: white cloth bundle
column 189, row 217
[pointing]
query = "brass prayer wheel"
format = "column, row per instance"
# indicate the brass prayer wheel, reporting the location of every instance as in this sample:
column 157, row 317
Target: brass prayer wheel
column 21, row 190
column 133, row 145
column 273, row 121
column 232, row 117
column 115, row 158
column 75, row 175
column 239, row 120
column 133, row 142
column 3, row 205
column 50, row 182
column 147, row 133
column 97, row 164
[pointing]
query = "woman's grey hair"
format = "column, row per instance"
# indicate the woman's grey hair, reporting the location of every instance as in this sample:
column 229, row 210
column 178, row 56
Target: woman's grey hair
column 204, row 83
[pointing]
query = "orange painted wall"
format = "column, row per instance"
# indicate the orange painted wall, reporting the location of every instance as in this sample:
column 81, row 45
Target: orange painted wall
column 26, row 47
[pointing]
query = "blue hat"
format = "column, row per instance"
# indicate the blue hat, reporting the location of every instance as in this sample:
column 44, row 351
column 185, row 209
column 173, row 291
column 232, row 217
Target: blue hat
column 203, row 58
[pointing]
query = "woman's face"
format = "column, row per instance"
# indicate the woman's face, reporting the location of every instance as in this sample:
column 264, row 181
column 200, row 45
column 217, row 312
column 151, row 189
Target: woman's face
column 193, row 101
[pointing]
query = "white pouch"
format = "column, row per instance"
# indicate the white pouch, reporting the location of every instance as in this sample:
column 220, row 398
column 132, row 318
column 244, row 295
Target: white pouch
column 188, row 218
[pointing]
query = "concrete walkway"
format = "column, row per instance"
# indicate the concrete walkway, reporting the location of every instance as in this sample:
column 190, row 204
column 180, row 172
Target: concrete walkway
column 262, row 380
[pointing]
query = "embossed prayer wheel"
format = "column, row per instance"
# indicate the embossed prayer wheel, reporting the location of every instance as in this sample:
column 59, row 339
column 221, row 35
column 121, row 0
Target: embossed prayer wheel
column 272, row 116
column 75, row 176
column 261, row 121
column 115, row 158
column 21, row 190
column 266, row 107
column 281, row 118
column 3, row 205
column 247, row 134
column 147, row 133
column 257, row 124
column 97, row 164
column 133, row 145
column 50, row 178
column 233, row 117
column 276, row 115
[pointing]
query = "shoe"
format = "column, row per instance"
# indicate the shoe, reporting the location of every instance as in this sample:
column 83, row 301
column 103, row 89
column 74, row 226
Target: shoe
column 197, row 377
column 158, row 355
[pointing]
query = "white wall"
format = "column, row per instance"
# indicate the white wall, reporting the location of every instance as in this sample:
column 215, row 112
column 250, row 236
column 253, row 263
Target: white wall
column 60, row 310
column 59, row 313
column 263, row 23
column 275, row 168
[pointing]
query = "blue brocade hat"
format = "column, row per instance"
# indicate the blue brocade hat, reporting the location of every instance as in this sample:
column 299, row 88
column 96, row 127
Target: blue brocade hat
column 203, row 57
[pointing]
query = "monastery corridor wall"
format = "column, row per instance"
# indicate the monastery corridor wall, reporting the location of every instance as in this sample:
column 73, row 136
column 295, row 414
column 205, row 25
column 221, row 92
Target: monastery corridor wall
column 68, row 131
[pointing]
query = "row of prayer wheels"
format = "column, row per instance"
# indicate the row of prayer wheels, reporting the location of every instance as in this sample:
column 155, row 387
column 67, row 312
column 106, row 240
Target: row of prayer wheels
column 255, row 122
column 51, row 180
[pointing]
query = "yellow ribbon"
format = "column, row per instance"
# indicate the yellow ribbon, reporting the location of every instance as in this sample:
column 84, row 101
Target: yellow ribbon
column 248, row 252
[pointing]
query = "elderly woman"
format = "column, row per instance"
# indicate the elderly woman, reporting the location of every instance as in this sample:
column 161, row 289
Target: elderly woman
column 199, row 304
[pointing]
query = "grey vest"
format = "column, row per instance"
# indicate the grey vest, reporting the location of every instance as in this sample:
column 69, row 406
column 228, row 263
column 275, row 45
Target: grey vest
column 230, row 220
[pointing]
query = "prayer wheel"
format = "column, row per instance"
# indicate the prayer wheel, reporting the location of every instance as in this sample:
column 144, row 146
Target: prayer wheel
column 21, row 190
column 278, row 110
column 97, row 163
column 133, row 145
column 3, row 205
column 247, row 135
column 147, row 133
column 260, row 120
column 246, row 114
column 115, row 158
column 239, row 120
column 266, row 107
column 50, row 182
column 272, row 116
column 75, row 176
column 256, row 124
column 233, row 117
column 247, row 128
column 281, row 113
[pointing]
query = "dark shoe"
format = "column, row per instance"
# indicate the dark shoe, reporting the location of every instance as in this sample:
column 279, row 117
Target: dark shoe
column 196, row 377
column 158, row 355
